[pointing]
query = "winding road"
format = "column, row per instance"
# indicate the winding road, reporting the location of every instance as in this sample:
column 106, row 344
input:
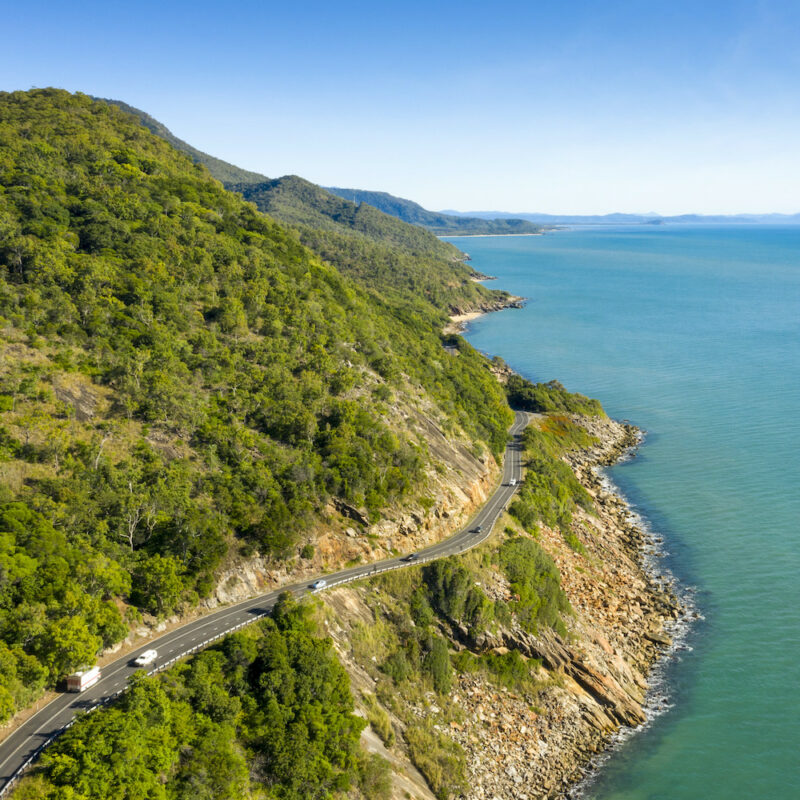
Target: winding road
column 23, row 746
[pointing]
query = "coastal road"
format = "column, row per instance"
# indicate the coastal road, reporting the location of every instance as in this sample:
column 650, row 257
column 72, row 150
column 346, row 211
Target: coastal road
column 24, row 745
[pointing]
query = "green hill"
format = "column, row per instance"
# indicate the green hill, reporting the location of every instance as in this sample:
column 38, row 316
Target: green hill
column 377, row 249
column 221, row 170
column 440, row 224
column 398, row 260
column 182, row 382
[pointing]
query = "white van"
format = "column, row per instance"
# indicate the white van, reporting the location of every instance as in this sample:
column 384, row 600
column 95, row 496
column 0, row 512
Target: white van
column 146, row 658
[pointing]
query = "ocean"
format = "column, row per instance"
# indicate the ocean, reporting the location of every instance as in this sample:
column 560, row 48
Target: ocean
column 693, row 334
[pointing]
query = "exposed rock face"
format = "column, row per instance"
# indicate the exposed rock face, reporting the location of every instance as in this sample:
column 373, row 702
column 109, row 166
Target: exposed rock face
column 615, row 637
column 595, row 679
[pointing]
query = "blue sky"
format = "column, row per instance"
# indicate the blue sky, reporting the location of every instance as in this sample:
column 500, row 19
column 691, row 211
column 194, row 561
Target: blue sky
column 566, row 107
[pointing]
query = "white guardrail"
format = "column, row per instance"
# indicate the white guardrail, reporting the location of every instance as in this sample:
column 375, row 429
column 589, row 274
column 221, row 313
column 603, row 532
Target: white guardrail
column 468, row 545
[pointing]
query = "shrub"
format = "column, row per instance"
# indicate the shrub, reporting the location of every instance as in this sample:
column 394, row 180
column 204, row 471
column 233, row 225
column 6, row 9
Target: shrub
column 536, row 581
column 452, row 592
column 307, row 551
column 509, row 669
column 550, row 491
column 374, row 777
column 379, row 720
column 437, row 665
column 438, row 758
column 552, row 396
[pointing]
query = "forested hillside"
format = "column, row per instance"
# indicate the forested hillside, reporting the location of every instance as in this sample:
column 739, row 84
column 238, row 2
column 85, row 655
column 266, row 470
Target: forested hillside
column 377, row 249
column 181, row 381
column 381, row 252
column 267, row 713
column 435, row 221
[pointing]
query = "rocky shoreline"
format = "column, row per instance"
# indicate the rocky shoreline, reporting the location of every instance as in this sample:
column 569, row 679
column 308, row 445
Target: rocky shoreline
column 597, row 676
column 592, row 683
column 594, row 680
column 459, row 317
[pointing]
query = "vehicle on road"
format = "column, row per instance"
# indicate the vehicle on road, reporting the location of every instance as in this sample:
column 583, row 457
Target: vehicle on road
column 410, row 557
column 146, row 658
column 83, row 679
column 320, row 584
column 512, row 482
column 477, row 529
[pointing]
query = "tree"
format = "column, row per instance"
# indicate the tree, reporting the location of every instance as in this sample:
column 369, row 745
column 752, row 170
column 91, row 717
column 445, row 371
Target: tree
column 158, row 584
column 66, row 645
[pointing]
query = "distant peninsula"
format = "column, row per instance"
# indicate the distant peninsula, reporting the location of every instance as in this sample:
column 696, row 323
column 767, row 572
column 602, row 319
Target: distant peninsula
column 624, row 219
column 440, row 223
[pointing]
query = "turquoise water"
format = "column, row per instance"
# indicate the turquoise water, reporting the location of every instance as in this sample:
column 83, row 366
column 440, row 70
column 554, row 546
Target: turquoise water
column 694, row 335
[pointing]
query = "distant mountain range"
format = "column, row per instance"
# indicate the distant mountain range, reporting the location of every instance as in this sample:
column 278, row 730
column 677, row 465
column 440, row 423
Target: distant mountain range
column 378, row 249
column 630, row 219
column 438, row 222
column 296, row 201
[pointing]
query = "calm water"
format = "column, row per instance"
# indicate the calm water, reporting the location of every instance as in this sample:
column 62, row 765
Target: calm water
column 694, row 335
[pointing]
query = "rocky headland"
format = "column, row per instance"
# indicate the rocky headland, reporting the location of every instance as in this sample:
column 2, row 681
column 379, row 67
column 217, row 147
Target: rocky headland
column 591, row 682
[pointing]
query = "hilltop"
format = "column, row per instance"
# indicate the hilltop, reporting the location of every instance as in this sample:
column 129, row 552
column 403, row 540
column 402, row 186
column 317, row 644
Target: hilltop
column 377, row 249
column 222, row 170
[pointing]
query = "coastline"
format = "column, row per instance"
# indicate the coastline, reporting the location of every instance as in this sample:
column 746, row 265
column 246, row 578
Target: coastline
column 629, row 621
column 484, row 235
column 459, row 320
column 597, row 684
column 592, row 683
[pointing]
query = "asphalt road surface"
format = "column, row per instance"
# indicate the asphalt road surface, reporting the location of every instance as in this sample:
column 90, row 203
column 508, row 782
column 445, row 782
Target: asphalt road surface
column 24, row 745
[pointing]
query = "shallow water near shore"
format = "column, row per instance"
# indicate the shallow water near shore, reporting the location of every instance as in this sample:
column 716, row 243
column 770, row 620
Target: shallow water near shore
column 692, row 333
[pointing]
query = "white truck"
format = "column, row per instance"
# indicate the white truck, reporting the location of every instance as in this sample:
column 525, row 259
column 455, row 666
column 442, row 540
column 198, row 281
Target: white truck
column 83, row 679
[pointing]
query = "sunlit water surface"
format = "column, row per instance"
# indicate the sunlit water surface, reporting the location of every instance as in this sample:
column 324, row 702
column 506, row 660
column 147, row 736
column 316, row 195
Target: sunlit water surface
column 692, row 333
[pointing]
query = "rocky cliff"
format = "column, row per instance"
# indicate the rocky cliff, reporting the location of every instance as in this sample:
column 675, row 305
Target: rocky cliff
column 589, row 683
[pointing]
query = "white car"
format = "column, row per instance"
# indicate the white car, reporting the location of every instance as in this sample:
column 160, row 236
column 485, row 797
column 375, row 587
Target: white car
column 320, row 584
column 146, row 658
column 512, row 482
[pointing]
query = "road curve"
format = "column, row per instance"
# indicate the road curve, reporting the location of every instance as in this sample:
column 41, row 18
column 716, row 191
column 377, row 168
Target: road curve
column 23, row 746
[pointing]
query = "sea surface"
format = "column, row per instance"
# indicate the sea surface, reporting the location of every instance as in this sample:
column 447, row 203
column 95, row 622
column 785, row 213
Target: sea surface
column 692, row 333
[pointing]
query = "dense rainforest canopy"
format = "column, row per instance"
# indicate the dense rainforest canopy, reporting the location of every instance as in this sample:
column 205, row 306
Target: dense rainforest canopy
column 181, row 379
column 267, row 713
column 379, row 249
